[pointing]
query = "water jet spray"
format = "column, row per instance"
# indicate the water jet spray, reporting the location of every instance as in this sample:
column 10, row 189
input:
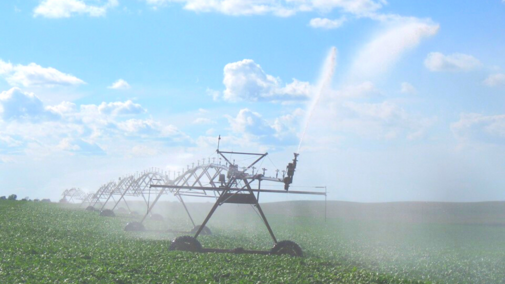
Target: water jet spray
column 323, row 85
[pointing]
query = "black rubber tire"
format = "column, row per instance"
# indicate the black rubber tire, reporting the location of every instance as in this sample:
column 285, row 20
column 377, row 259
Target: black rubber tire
column 186, row 243
column 134, row 227
column 205, row 231
column 287, row 248
column 107, row 213
column 90, row 208
column 157, row 217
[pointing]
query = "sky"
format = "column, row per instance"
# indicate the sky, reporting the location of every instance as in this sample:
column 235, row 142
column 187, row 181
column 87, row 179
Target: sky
column 384, row 100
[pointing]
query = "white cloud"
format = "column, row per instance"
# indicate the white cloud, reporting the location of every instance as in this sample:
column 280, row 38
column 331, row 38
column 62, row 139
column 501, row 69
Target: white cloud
column 288, row 125
column 437, row 62
column 361, row 90
column 139, row 126
column 5, row 68
column 495, row 80
column 9, row 141
column 294, row 90
column 474, row 127
column 213, row 93
column 231, row 7
column 252, row 128
column 80, row 146
column 17, row 105
column 345, row 116
column 394, row 18
column 142, row 150
column 102, row 119
column 282, row 8
column 246, row 80
column 381, row 111
column 63, row 108
column 119, row 85
column 86, row 129
column 67, row 8
column 150, row 129
column 407, row 88
column 357, row 7
column 203, row 121
column 120, row 108
column 387, row 47
column 325, row 23
column 249, row 122
column 384, row 120
column 36, row 75
column 210, row 131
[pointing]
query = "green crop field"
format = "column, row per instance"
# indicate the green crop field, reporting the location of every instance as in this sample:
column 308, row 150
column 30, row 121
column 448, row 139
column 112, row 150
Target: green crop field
column 51, row 243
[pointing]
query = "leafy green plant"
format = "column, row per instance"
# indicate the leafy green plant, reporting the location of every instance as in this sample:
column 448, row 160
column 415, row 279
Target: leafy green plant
column 53, row 243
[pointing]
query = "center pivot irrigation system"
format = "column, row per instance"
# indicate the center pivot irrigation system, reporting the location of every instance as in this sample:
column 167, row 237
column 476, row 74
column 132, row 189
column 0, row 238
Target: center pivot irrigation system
column 223, row 181
column 73, row 195
column 239, row 187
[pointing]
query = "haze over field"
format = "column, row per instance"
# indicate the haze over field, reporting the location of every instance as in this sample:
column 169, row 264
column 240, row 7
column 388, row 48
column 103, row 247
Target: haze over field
column 410, row 107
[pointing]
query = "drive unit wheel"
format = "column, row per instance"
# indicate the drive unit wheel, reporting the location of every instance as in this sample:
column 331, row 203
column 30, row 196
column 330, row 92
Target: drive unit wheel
column 186, row 243
column 287, row 247
column 134, row 227
column 107, row 213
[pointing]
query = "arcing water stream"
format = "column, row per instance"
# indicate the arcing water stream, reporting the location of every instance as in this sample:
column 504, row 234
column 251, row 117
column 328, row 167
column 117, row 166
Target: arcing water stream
column 323, row 86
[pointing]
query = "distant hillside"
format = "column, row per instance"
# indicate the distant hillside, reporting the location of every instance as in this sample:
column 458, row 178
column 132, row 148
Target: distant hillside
column 489, row 213
column 486, row 213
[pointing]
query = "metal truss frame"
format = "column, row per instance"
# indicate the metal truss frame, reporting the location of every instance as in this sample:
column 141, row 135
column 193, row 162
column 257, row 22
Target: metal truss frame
column 238, row 187
column 73, row 194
